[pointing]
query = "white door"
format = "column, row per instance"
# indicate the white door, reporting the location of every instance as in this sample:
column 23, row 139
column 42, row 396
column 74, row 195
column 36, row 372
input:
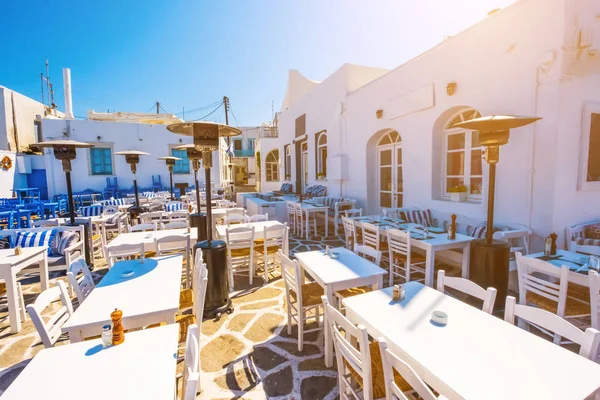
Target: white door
column 390, row 183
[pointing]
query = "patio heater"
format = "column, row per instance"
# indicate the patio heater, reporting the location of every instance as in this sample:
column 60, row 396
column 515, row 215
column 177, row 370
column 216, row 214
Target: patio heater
column 132, row 157
column 490, row 259
column 170, row 160
column 197, row 219
column 65, row 151
column 214, row 252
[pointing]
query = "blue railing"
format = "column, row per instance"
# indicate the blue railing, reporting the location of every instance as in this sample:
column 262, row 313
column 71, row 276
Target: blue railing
column 243, row 153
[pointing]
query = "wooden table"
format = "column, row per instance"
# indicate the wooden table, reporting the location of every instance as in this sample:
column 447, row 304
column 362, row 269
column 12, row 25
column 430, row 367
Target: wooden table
column 475, row 356
column 572, row 260
column 147, row 238
column 10, row 265
column 312, row 208
column 142, row 367
column 150, row 296
column 258, row 228
column 348, row 271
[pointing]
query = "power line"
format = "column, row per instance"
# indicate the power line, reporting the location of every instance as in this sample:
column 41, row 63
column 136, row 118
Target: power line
column 210, row 113
column 161, row 107
column 193, row 110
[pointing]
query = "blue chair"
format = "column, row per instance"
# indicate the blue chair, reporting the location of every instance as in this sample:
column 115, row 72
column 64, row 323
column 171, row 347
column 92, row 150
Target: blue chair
column 156, row 183
column 7, row 219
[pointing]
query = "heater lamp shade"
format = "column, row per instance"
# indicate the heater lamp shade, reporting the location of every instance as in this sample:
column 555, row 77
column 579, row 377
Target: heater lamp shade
column 204, row 129
column 497, row 122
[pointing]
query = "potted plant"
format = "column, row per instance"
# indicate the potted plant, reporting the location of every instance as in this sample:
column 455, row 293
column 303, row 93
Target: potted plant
column 458, row 193
column 288, row 177
column 321, row 176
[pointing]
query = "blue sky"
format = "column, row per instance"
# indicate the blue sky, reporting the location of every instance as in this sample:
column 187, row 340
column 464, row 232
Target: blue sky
column 125, row 55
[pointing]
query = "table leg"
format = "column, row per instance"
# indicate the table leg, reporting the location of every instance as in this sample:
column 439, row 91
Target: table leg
column 378, row 284
column 429, row 266
column 75, row 336
column 328, row 339
column 14, row 317
column 326, row 223
column 170, row 319
column 307, row 223
column 43, row 265
column 465, row 260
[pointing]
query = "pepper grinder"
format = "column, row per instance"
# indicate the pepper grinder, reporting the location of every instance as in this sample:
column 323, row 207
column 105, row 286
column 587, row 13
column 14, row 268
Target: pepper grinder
column 452, row 229
column 118, row 335
column 553, row 237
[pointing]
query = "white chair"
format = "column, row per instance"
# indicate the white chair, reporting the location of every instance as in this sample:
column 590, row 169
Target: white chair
column 274, row 238
column 20, row 300
column 84, row 285
column 357, row 359
column 176, row 244
column 149, row 217
column 538, row 287
column 395, row 389
column 588, row 340
column 301, row 220
column 44, row 222
column 181, row 224
column 595, row 298
column 403, row 261
column 189, row 375
column 145, row 227
column 178, row 215
column 258, row 217
column 371, row 236
column 353, row 212
column 301, row 299
column 235, row 219
column 368, row 253
column 291, row 215
column 235, row 211
column 349, row 233
column 122, row 252
column 50, row 331
column 240, row 254
column 118, row 221
column 468, row 287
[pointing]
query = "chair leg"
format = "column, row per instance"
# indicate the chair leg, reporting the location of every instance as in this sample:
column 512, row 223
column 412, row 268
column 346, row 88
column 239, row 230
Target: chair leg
column 300, row 327
column 289, row 316
column 21, row 302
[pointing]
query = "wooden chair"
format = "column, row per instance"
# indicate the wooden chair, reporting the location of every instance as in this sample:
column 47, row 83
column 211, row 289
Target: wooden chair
column 20, row 300
column 371, row 235
column 178, row 216
column 150, row 217
column 350, row 233
column 181, row 224
column 353, row 212
column 301, row 219
column 301, row 298
column 122, row 252
column 393, row 366
column 545, row 293
column 176, row 244
column 189, row 375
column 240, row 254
column 357, row 359
column 144, row 227
column 595, row 298
column 50, row 331
column 258, row 218
column 291, row 215
column 468, row 287
column 235, row 211
column 235, row 219
column 403, row 261
column 275, row 238
column 84, row 285
column 589, row 340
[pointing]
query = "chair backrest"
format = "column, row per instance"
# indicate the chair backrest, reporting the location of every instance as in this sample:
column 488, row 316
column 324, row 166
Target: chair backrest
column 178, row 215
column 399, row 243
column 235, row 211
column 50, row 331
column 172, row 243
column 92, row 211
column 468, row 287
column 290, row 208
column 292, row 276
column 109, row 210
column 190, row 362
column 235, row 219
column 348, row 354
column 84, row 285
column 44, row 222
column 298, row 210
column 123, row 251
column 239, row 238
column 588, row 249
column 275, row 236
column 173, row 206
column 181, row 224
column 529, row 271
column 190, row 386
column 151, row 216
column 349, row 232
column 371, row 235
column 199, row 288
column 368, row 253
column 588, row 340
column 393, row 362
column 258, row 217
column 148, row 226
column 595, row 298
column 353, row 212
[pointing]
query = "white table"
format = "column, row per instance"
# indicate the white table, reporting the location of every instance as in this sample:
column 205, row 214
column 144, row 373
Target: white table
column 308, row 209
column 258, row 228
column 147, row 238
column 142, row 367
column 475, row 356
column 580, row 278
column 10, row 265
column 348, row 271
column 150, row 296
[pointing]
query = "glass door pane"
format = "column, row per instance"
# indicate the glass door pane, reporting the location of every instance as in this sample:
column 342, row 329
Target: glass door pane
column 386, row 178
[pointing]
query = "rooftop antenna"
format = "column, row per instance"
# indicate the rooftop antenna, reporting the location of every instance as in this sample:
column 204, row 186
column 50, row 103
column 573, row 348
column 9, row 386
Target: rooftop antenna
column 49, row 89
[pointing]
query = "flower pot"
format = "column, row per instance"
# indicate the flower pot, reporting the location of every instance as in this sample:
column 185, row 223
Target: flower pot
column 458, row 196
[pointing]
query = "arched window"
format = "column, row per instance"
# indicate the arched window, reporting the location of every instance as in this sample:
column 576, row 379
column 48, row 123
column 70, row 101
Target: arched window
column 322, row 155
column 288, row 162
column 272, row 166
column 462, row 156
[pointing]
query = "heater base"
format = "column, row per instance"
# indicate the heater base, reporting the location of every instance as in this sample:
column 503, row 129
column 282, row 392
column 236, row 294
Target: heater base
column 214, row 254
column 489, row 267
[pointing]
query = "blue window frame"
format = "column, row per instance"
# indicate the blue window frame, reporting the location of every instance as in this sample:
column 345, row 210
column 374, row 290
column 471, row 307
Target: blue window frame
column 181, row 166
column 101, row 159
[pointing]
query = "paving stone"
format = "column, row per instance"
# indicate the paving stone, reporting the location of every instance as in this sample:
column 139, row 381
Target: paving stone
column 260, row 305
column 308, row 337
column 221, row 351
column 315, row 364
column 210, row 326
column 243, row 379
column 280, row 284
column 280, row 383
column 266, row 359
column 292, row 348
column 260, row 294
column 317, row 387
column 15, row 353
column 238, row 323
column 264, row 327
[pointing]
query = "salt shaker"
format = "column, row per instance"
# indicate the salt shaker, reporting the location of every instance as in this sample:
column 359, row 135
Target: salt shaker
column 106, row 335
column 326, row 250
column 547, row 246
column 398, row 292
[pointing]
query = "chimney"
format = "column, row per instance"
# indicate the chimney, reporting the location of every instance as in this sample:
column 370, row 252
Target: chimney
column 68, row 99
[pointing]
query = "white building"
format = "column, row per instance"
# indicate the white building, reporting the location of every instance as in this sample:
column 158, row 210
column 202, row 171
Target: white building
column 386, row 137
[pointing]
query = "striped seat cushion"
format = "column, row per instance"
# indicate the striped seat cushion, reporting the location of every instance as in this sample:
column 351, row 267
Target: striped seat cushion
column 588, row 242
column 417, row 216
column 176, row 206
column 66, row 240
column 34, row 239
column 286, row 187
column 115, row 202
column 319, row 191
column 92, row 211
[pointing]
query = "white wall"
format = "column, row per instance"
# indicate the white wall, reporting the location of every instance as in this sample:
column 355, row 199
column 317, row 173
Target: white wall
column 153, row 139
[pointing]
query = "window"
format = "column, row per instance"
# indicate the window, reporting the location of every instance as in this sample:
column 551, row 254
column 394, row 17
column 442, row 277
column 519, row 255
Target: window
column 101, row 161
column 462, row 153
column 288, row 162
column 237, row 144
column 322, row 155
column 181, row 166
column 251, row 144
column 301, row 125
column 589, row 177
column 37, row 131
column 272, row 166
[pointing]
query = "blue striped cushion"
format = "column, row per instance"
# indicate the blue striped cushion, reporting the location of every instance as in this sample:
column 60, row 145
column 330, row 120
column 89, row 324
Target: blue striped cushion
column 92, row 211
column 178, row 206
column 418, row 216
column 480, row 231
column 319, row 191
column 115, row 202
column 67, row 239
column 34, row 239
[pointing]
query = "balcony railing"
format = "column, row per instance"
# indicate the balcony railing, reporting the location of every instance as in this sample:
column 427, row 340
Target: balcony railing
column 270, row 132
column 243, row 153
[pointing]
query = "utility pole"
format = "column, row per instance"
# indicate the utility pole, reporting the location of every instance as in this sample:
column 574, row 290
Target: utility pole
column 226, row 104
column 158, row 107
column 229, row 167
